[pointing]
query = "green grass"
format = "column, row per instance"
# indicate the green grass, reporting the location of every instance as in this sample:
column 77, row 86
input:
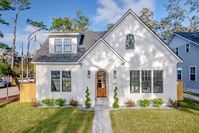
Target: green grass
column 21, row 118
column 183, row 120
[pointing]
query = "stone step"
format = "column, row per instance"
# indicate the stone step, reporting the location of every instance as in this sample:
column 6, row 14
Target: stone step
column 103, row 102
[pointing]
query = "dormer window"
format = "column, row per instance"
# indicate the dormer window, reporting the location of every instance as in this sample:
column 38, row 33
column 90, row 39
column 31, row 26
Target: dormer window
column 67, row 45
column 130, row 41
column 58, row 45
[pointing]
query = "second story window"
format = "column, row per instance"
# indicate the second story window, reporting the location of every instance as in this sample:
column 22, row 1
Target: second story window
column 58, row 45
column 130, row 41
column 67, row 45
column 187, row 48
column 177, row 51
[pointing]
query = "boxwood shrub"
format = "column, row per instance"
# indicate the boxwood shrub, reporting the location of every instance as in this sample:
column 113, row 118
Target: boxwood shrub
column 144, row 103
column 59, row 101
column 48, row 101
column 157, row 102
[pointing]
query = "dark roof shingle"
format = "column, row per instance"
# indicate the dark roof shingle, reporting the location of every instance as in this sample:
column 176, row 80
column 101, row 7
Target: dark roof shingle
column 193, row 36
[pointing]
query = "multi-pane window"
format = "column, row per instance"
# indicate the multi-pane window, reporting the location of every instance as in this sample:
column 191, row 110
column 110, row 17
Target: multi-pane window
column 67, row 45
column 55, row 80
column 66, row 81
column 58, row 45
column 192, row 73
column 187, row 48
column 130, row 41
column 134, row 81
column 158, row 81
column 146, row 81
column 179, row 74
column 177, row 51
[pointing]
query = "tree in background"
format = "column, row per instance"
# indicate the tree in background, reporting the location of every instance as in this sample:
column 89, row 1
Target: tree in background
column 147, row 16
column 62, row 25
column 79, row 23
column 4, row 5
column 179, row 13
column 109, row 26
column 38, row 26
column 6, row 70
column 17, row 6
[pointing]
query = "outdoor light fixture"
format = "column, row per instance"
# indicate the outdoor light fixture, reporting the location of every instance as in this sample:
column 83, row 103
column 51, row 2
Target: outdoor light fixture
column 89, row 74
column 114, row 74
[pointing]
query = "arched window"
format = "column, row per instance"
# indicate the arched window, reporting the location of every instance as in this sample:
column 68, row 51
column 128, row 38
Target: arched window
column 130, row 41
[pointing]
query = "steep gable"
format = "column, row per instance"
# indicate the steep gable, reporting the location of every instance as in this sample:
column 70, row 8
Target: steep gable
column 130, row 23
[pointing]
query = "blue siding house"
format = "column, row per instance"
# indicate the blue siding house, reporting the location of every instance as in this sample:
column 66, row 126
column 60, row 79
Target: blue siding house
column 186, row 45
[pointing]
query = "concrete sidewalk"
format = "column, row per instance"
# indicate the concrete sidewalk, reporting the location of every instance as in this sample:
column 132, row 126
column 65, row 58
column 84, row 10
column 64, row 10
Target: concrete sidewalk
column 102, row 122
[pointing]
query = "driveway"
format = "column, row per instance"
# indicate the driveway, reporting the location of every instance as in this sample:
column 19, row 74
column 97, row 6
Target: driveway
column 11, row 91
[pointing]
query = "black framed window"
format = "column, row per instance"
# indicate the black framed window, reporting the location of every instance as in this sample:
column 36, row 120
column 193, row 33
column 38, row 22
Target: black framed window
column 66, row 81
column 177, row 51
column 192, row 73
column 187, row 48
column 158, row 81
column 58, row 45
column 130, row 41
column 146, row 81
column 179, row 74
column 55, row 81
column 134, row 81
column 67, row 45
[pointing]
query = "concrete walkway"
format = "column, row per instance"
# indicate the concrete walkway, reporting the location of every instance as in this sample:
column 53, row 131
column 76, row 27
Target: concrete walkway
column 191, row 97
column 102, row 122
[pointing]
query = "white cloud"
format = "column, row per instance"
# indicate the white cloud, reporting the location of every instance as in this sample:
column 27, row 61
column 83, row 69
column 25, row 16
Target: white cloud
column 110, row 10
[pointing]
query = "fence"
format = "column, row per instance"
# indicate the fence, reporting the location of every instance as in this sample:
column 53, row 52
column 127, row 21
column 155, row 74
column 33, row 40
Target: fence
column 27, row 92
column 180, row 90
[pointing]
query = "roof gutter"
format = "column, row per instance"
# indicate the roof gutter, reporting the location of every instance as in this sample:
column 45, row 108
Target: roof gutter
column 56, row 63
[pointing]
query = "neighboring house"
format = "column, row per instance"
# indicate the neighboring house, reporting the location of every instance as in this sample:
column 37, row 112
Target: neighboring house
column 186, row 45
column 129, row 56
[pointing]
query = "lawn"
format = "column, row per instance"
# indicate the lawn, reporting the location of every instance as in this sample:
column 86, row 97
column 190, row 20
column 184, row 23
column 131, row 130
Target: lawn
column 21, row 118
column 184, row 120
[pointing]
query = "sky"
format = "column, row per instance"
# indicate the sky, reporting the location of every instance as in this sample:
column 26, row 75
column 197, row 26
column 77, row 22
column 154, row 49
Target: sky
column 100, row 13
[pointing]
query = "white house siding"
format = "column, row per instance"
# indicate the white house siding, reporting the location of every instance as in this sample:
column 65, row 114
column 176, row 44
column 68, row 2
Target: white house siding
column 149, row 54
column 43, row 82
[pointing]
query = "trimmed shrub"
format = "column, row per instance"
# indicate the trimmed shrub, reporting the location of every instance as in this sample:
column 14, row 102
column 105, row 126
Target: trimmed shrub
column 73, row 102
column 115, row 104
column 157, row 102
column 59, row 101
column 87, row 102
column 145, row 103
column 48, row 101
column 130, row 103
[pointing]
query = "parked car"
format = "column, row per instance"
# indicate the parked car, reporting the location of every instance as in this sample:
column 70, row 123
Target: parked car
column 3, row 83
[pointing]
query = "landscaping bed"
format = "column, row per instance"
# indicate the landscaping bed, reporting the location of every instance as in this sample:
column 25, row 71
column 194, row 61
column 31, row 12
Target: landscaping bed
column 183, row 120
column 21, row 117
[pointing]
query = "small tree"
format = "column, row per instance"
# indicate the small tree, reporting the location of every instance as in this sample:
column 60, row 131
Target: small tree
column 115, row 104
column 87, row 102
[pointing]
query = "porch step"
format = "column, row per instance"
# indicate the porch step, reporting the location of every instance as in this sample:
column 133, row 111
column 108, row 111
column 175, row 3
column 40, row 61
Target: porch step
column 102, row 102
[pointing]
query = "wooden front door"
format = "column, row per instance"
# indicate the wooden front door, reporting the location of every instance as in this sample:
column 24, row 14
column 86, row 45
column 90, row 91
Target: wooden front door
column 101, row 84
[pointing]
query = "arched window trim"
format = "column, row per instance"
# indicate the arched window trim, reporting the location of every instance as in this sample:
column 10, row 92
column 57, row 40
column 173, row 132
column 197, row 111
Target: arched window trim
column 130, row 44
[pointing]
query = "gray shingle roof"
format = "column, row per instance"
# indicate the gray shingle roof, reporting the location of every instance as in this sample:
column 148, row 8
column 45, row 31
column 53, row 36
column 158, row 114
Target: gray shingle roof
column 87, row 40
column 193, row 36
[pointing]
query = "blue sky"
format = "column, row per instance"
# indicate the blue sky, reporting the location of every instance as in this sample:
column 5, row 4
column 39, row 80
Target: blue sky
column 100, row 13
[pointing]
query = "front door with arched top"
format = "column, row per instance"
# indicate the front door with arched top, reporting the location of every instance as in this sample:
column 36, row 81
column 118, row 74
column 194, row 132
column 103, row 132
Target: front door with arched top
column 101, row 83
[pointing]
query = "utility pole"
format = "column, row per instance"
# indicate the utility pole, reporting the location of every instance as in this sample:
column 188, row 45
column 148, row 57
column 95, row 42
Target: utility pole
column 34, row 45
column 22, row 62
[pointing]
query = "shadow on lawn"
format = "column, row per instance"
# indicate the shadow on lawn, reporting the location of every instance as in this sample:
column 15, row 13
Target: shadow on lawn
column 64, row 120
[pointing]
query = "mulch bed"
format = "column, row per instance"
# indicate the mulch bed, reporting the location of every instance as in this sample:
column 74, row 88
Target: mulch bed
column 10, row 99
